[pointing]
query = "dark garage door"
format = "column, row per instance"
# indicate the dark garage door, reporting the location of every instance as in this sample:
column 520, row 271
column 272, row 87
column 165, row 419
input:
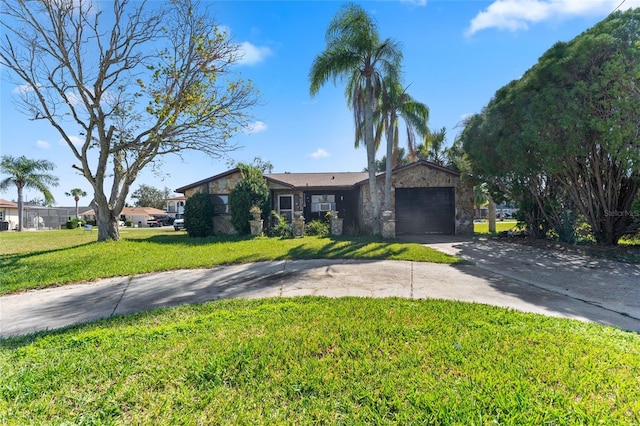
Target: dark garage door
column 425, row 211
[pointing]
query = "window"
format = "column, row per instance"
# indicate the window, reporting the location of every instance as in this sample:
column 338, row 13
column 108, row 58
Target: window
column 285, row 206
column 323, row 203
column 220, row 204
column 1, row 216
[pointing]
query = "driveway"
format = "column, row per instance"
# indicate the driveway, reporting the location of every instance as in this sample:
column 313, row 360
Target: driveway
column 506, row 275
column 606, row 284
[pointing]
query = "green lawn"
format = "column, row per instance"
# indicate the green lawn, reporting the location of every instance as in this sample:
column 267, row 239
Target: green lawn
column 504, row 225
column 31, row 260
column 324, row 361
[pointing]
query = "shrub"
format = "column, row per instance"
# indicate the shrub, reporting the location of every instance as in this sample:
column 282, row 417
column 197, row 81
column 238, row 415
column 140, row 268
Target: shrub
column 74, row 223
column 279, row 226
column 128, row 223
column 317, row 227
column 198, row 215
column 251, row 191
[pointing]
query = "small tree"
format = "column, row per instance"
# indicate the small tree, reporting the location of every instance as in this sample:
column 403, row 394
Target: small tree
column 26, row 173
column 76, row 193
column 251, row 191
column 198, row 215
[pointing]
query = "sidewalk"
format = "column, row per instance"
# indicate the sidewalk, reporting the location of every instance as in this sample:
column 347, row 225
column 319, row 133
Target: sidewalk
column 62, row 306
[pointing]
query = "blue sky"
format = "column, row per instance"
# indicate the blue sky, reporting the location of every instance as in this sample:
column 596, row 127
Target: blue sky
column 456, row 55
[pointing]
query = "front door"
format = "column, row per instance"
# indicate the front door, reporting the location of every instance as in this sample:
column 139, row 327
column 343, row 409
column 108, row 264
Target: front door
column 285, row 206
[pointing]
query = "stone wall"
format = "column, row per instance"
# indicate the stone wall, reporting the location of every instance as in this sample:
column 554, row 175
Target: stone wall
column 222, row 186
column 423, row 176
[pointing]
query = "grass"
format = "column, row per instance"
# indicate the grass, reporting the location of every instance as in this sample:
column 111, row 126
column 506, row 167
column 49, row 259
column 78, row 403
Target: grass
column 324, row 361
column 32, row 260
column 501, row 225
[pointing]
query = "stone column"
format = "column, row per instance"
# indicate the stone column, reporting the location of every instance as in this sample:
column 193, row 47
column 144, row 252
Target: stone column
column 336, row 224
column 388, row 224
column 298, row 224
column 256, row 227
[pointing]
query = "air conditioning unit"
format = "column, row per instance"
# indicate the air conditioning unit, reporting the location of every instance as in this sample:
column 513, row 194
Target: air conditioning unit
column 324, row 207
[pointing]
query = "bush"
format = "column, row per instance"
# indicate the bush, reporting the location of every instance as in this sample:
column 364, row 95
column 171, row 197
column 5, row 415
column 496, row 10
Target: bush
column 251, row 191
column 74, row 223
column 317, row 227
column 198, row 215
column 279, row 226
column 128, row 223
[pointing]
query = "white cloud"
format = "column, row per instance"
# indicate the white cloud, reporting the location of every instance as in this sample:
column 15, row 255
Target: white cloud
column 257, row 127
column 514, row 15
column 75, row 140
column 22, row 89
column 74, row 98
column 320, row 153
column 43, row 144
column 415, row 2
column 250, row 54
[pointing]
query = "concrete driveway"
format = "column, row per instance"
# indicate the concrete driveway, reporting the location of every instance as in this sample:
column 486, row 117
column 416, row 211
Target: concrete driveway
column 606, row 284
column 507, row 275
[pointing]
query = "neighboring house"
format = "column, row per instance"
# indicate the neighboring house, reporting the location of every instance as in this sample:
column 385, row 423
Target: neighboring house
column 427, row 198
column 8, row 215
column 137, row 215
column 174, row 206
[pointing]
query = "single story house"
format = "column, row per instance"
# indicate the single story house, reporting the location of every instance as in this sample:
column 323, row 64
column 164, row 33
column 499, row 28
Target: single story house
column 137, row 215
column 427, row 198
column 8, row 215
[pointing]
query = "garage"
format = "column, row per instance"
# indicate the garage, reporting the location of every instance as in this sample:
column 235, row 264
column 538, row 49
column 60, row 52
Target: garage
column 425, row 211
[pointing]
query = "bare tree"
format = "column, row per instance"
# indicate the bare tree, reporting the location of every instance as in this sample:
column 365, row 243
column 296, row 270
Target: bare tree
column 125, row 85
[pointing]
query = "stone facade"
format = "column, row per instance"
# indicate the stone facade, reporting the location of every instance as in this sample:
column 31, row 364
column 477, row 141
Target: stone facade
column 416, row 175
column 421, row 175
column 221, row 186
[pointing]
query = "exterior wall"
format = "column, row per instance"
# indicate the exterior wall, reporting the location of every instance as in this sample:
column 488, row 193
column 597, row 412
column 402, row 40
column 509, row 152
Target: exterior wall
column 222, row 186
column 424, row 177
column 298, row 198
column 9, row 215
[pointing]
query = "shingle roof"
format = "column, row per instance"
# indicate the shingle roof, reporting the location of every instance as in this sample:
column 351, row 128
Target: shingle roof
column 8, row 204
column 318, row 180
column 149, row 211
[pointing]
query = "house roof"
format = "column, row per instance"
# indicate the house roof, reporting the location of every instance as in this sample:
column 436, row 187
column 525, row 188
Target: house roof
column 419, row 163
column 322, row 180
column 182, row 189
column 8, row 204
column 317, row 180
column 131, row 211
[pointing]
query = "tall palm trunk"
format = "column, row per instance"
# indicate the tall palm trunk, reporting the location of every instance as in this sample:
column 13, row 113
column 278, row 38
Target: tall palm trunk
column 389, row 164
column 20, row 207
column 371, row 156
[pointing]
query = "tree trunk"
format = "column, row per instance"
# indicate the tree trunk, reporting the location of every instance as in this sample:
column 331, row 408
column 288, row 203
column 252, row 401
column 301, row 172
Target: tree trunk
column 389, row 166
column 76, row 199
column 107, row 223
column 20, row 208
column 371, row 156
column 492, row 216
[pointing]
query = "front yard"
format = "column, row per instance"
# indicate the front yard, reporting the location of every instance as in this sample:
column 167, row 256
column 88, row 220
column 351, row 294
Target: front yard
column 324, row 361
column 298, row 361
column 31, row 260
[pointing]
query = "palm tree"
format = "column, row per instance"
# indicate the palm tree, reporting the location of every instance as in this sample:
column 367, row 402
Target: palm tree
column 396, row 103
column 76, row 193
column 26, row 173
column 355, row 52
column 433, row 147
